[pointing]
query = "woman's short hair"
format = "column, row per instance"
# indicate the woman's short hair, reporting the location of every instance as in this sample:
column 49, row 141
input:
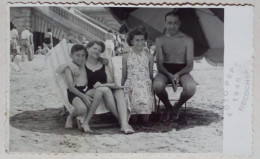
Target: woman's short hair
column 78, row 47
column 100, row 43
column 137, row 31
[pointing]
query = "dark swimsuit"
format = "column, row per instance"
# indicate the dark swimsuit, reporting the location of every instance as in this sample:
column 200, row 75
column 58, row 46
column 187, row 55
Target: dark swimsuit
column 47, row 40
column 173, row 68
column 96, row 76
column 93, row 77
column 82, row 89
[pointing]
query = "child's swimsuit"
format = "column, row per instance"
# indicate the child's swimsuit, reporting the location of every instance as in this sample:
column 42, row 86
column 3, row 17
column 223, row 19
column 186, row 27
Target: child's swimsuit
column 96, row 76
column 71, row 95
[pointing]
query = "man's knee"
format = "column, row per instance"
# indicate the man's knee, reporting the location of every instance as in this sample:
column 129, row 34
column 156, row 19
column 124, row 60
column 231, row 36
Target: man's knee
column 158, row 87
column 189, row 89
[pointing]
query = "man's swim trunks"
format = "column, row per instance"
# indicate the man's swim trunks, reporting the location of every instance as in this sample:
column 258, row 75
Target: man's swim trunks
column 173, row 68
column 71, row 95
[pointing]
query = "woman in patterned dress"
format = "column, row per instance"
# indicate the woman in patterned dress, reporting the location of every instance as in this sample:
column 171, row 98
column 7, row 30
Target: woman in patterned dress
column 137, row 75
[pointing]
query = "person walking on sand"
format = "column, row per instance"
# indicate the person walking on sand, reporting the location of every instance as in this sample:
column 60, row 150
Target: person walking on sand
column 110, row 43
column 174, row 55
column 47, row 41
column 14, row 37
column 137, row 75
column 31, row 45
column 25, row 38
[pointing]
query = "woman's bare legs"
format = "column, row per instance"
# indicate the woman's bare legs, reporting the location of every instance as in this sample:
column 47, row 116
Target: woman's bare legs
column 97, row 95
column 122, row 108
column 109, row 100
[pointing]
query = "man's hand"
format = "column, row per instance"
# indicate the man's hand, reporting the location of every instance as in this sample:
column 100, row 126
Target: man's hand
column 74, row 69
column 173, row 82
column 176, row 78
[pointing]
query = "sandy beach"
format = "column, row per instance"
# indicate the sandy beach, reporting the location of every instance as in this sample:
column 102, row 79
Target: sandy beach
column 36, row 124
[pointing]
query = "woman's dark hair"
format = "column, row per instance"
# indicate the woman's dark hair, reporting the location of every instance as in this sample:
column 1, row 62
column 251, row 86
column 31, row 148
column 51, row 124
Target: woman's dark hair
column 137, row 31
column 100, row 43
column 78, row 47
column 49, row 30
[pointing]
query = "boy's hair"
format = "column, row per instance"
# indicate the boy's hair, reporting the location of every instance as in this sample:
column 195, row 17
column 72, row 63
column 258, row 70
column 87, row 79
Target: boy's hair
column 172, row 13
column 49, row 30
column 100, row 43
column 137, row 31
column 78, row 47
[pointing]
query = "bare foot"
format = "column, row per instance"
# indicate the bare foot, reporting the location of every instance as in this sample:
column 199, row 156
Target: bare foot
column 175, row 112
column 87, row 129
column 127, row 129
column 69, row 123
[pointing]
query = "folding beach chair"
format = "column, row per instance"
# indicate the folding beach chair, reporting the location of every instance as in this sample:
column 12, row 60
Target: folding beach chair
column 58, row 55
column 157, row 101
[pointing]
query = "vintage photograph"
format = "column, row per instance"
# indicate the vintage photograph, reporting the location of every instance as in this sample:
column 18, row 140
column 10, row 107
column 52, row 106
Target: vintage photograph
column 93, row 79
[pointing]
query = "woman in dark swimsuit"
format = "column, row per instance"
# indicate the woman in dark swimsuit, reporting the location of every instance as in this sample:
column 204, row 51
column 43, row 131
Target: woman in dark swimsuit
column 100, row 79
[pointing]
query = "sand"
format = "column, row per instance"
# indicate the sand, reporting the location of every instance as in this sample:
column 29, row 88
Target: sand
column 36, row 124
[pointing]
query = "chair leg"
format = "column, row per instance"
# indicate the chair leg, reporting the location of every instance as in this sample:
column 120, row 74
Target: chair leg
column 186, row 111
column 155, row 104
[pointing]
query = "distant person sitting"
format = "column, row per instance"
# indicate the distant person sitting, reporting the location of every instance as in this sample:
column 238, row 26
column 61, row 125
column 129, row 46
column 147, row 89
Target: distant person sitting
column 83, row 40
column 39, row 51
column 175, row 55
column 73, row 39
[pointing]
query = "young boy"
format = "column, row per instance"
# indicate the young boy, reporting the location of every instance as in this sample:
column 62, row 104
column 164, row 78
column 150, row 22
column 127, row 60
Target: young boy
column 76, row 77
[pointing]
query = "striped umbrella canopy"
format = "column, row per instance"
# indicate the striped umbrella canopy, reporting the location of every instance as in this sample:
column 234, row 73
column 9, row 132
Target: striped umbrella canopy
column 204, row 25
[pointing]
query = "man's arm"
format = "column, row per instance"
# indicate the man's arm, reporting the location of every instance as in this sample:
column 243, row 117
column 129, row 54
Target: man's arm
column 151, row 62
column 160, row 59
column 189, row 58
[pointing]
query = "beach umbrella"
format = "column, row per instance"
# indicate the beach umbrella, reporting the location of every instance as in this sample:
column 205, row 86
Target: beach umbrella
column 204, row 25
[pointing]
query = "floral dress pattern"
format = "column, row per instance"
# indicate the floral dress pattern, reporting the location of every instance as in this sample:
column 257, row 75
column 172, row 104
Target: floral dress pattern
column 139, row 84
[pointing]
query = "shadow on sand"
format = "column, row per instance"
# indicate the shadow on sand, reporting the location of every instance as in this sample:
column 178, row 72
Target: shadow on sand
column 50, row 121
